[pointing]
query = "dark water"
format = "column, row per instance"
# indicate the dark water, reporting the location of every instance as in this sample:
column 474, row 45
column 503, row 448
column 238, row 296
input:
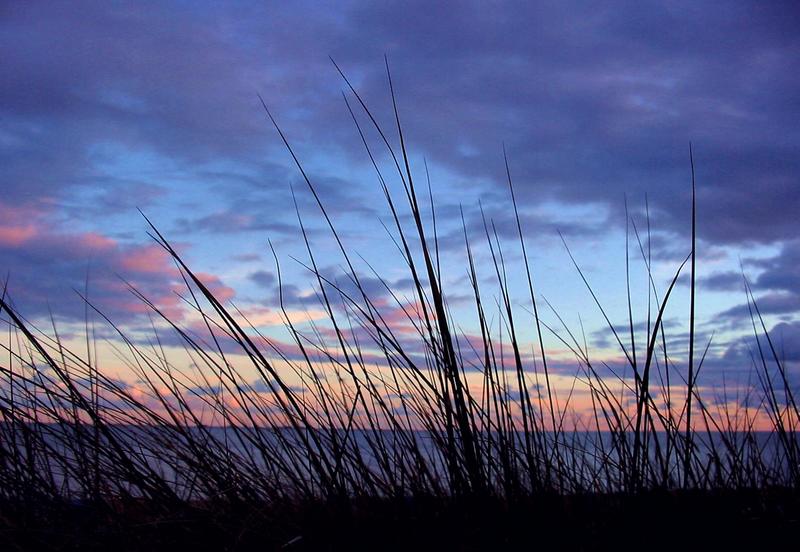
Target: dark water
column 190, row 460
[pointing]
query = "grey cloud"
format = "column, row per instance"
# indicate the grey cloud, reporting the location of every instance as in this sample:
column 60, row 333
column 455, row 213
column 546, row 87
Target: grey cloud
column 770, row 303
column 592, row 101
column 262, row 278
column 722, row 281
column 781, row 272
column 778, row 280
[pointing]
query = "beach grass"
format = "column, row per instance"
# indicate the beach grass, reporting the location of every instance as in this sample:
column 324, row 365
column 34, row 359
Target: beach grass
column 389, row 442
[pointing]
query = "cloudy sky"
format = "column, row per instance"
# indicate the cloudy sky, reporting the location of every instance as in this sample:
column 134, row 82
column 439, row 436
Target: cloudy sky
column 107, row 108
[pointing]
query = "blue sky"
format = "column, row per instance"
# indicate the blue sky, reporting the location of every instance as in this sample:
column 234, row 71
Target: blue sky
column 110, row 107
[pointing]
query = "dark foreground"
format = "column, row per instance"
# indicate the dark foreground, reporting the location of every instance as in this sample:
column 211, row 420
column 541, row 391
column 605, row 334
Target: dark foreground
column 653, row 521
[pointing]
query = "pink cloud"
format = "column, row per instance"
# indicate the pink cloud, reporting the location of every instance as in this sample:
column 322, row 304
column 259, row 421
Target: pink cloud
column 148, row 259
column 18, row 225
column 47, row 264
column 216, row 286
column 14, row 236
column 98, row 242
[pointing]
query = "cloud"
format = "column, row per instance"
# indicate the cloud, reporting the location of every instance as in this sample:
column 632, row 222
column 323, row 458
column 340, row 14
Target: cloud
column 231, row 222
column 222, row 292
column 770, row 303
column 722, row 281
column 47, row 268
column 590, row 105
column 262, row 278
column 777, row 279
column 781, row 272
column 785, row 336
column 743, row 355
column 110, row 108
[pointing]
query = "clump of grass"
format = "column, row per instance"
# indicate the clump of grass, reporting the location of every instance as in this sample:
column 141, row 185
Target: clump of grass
column 376, row 421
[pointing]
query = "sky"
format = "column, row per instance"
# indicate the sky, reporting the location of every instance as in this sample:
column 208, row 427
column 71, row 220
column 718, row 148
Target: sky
column 109, row 108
